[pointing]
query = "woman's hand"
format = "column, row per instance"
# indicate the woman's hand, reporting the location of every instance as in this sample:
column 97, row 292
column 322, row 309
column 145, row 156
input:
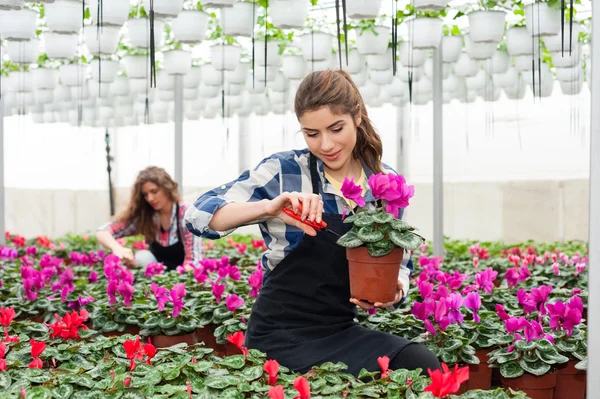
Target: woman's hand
column 126, row 256
column 312, row 209
column 368, row 306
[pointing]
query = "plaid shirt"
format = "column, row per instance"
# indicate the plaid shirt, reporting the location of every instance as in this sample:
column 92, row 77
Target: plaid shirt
column 282, row 172
column 191, row 243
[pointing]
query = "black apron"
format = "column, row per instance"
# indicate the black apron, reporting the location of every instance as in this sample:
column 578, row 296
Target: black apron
column 303, row 316
column 171, row 255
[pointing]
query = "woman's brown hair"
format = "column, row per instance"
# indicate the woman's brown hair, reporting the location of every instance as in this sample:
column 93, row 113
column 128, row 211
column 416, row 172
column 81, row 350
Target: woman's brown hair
column 139, row 210
column 336, row 90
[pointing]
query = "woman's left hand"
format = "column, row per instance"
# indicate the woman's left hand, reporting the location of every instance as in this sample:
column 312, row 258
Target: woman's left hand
column 369, row 306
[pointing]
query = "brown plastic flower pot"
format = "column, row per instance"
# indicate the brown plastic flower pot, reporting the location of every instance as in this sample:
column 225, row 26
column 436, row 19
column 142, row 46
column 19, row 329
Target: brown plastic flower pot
column 373, row 279
column 535, row 387
column 480, row 375
column 165, row 341
column 570, row 382
column 231, row 349
column 206, row 334
column 133, row 330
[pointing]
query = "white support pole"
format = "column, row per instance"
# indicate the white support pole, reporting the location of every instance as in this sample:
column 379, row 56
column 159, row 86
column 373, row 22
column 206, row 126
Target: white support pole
column 178, row 116
column 2, row 226
column 438, row 152
column 593, row 384
column 400, row 152
column 244, row 144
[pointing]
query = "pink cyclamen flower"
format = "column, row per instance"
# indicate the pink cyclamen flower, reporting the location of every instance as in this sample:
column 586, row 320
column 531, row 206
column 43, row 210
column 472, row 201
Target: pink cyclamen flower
column 353, row 192
column 473, row 302
column 126, row 290
column 93, row 277
column 178, row 292
column 161, row 294
column 255, row 281
column 392, row 189
column 218, row 290
column 233, row 302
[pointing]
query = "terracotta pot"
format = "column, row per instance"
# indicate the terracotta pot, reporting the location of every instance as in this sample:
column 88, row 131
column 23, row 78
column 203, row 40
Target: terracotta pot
column 570, row 382
column 480, row 375
column 534, row 387
column 133, row 330
column 206, row 334
column 373, row 279
column 165, row 341
column 231, row 349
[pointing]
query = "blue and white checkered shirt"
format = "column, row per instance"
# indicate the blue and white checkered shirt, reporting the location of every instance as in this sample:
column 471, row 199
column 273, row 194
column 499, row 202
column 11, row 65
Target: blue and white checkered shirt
column 281, row 172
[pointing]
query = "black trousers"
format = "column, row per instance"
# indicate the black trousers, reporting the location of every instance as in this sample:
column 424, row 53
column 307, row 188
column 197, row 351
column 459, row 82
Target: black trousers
column 414, row 356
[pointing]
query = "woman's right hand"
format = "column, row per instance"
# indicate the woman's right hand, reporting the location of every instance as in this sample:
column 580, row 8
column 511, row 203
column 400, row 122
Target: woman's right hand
column 312, row 209
column 126, row 255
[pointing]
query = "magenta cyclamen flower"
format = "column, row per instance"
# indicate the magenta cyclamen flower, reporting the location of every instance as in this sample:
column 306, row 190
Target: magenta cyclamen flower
column 218, row 290
column 233, row 302
column 153, row 269
column 31, row 251
column 353, row 192
column 392, row 189
column 453, row 304
column 126, row 290
column 93, row 277
column 178, row 292
column 473, row 302
column 425, row 289
column 255, row 281
column 161, row 294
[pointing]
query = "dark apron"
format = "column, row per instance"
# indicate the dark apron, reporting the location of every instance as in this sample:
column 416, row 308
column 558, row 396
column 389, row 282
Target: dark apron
column 303, row 316
column 172, row 255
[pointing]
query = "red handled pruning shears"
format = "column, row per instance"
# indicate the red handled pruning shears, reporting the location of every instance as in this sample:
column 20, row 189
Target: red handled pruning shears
column 317, row 226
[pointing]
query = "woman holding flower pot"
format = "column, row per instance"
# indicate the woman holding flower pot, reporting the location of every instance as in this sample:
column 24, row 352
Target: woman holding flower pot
column 156, row 211
column 304, row 314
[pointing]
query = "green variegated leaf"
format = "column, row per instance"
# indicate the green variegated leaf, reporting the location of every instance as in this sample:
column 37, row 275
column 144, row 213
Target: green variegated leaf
column 221, row 381
column 234, row 362
column 452, row 345
column 252, row 373
column 152, row 322
column 63, row 391
column 407, row 240
column 132, row 394
column 5, row 381
column 449, row 358
column 511, row 370
column 109, row 326
column 524, row 346
column 400, row 225
column 367, row 234
column 350, row 240
column 350, row 219
column 544, row 345
column 38, row 393
column 566, row 346
column 537, row 368
column 364, row 373
column 167, row 322
column 376, row 252
column 382, row 217
column 363, row 219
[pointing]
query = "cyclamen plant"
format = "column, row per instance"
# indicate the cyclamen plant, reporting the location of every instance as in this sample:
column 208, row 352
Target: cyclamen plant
column 379, row 228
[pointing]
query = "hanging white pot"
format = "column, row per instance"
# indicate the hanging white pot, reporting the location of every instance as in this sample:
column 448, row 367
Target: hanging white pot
column 356, row 61
column 397, row 88
column 541, row 20
column 508, row 79
column 516, row 91
column 428, row 69
column 411, row 57
column 567, row 60
column 72, row 74
column 44, row 78
column 360, row 78
column 192, row 114
column 210, row 76
column 64, row 16
column 23, row 51
column 279, row 82
column 320, row 65
column 165, row 81
column 422, row 98
column 379, row 62
column 363, row 9
column 166, row 95
column 11, row 4
column 430, row 4
column 104, row 100
column 18, row 25
column 62, row 94
column 208, row 91
column 465, row 66
column 523, row 62
column 553, row 43
column 451, row 84
column 373, row 41
column 114, row 12
column 35, row 117
column 479, row 50
column 238, row 75
column 218, row 3
column 547, row 88
column 447, row 97
column 499, row 63
column 61, row 45
column 486, row 26
column 451, row 48
column 569, row 74
column 399, row 101
column 138, row 31
column 518, row 41
column 260, row 74
column 476, row 82
column 100, row 91
column 315, row 45
column 167, row 8
column 123, row 101
column 369, row 90
column 571, row 88
column 382, row 77
column 102, row 41
column 177, row 62
column 294, row 66
column 239, row 20
column 491, row 94
column 136, row 66
column 191, row 80
column 104, row 70
column 425, row 33
column 545, row 76
column 277, row 97
column 190, row 26
column 120, row 86
column 288, row 14
column 19, row 81
column 106, row 112
column 423, row 86
column 410, row 73
column 233, row 89
column 43, row 96
column 225, row 56
column 49, row 117
column 138, row 86
column 273, row 56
